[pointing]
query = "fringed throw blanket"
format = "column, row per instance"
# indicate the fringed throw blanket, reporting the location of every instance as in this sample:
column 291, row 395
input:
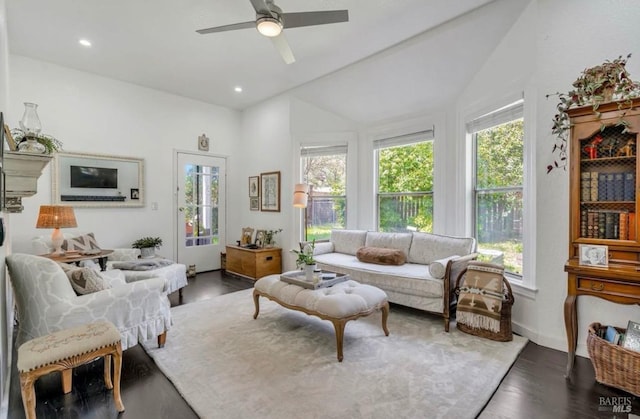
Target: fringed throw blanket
column 480, row 298
column 142, row 265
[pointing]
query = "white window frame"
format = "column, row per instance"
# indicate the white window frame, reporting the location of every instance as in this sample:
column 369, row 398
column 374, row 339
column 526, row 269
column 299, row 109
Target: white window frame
column 400, row 141
column 524, row 285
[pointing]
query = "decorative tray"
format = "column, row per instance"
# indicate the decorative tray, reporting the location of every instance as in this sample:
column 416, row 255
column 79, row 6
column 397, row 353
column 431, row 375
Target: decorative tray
column 328, row 279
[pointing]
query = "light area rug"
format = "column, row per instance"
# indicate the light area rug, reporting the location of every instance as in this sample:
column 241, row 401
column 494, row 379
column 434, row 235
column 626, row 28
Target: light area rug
column 283, row 364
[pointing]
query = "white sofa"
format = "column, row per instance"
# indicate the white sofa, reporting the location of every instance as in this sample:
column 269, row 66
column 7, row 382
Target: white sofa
column 424, row 282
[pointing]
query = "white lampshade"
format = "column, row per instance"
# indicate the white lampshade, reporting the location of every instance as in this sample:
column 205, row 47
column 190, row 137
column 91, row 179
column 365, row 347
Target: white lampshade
column 269, row 26
column 300, row 194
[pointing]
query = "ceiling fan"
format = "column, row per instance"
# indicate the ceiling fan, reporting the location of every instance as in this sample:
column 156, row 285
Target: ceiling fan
column 270, row 21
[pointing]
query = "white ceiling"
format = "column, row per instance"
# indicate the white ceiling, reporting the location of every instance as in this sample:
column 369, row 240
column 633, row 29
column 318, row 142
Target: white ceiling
column 399, row 48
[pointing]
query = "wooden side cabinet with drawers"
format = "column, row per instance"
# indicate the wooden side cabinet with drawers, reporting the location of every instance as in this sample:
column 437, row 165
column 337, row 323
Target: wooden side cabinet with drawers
column 253, row 263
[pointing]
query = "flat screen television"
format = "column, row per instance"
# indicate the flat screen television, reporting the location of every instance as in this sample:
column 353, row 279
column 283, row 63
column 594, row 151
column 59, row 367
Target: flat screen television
column 94, row 177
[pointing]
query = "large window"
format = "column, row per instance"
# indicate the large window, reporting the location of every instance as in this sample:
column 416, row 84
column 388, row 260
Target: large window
column 498, row 184
column 324, row 169
column 405, row 182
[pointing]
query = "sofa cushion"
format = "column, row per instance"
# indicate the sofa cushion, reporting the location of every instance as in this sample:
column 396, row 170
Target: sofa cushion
column 84, row 242
column 400, row 241
column 381, row 256
column 428, row 247
column 348, row 241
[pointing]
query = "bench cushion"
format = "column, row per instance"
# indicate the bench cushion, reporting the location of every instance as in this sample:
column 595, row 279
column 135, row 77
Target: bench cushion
column 57, row 346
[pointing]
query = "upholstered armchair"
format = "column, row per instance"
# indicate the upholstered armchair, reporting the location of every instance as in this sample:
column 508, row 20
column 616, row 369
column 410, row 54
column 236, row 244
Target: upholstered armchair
column 174, row 274
column 46, row 302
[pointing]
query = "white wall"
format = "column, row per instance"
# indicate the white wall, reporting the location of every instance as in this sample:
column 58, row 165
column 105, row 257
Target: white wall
column 93, row 114
column 596, row 31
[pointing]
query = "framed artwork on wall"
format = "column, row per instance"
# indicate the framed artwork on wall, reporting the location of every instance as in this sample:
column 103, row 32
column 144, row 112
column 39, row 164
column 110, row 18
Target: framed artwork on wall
column 254, row 186
column 270, row 191
column 254, row 203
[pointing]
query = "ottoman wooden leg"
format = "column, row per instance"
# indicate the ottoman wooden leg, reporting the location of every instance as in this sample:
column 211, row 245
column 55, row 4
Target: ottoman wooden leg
column 339, row 325
column 385, row 315
column 117, row 367
column 256, row 297
column 107, row 372
column 28, row 395
column 66, row 380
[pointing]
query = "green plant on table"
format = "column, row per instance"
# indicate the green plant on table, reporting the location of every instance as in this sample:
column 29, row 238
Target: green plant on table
column 305, row 254
column 147, row 242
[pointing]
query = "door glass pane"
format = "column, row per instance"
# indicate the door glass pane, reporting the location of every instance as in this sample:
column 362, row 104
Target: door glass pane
column 201, row 205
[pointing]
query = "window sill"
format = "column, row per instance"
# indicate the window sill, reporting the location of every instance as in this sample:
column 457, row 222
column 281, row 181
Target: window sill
column 522, row 289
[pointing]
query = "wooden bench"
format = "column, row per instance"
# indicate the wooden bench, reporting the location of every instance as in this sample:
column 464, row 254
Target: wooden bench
column 64, row 350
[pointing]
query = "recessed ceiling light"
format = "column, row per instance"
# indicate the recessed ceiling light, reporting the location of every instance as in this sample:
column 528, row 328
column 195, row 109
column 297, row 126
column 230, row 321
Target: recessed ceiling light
column 237, row 89
column 85, row 42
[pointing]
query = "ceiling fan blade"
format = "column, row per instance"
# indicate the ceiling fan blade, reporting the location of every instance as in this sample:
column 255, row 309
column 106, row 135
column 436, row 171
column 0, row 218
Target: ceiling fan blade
column 296, row 20
column 232, row 27
column 281, row 44
column 261, row 7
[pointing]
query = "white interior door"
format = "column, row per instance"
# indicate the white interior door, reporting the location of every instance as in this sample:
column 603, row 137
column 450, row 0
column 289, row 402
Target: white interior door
column 200, row 210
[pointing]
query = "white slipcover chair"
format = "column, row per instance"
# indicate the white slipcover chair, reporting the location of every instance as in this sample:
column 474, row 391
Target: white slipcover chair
column 47, row 303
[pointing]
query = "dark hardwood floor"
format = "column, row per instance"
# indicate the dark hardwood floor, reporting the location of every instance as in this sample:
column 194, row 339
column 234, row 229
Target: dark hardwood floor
column 535, row 386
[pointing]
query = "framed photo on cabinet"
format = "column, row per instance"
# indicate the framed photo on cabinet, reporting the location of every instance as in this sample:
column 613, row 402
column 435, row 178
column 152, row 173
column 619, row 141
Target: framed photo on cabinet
column 594, row 255
column 270, row 191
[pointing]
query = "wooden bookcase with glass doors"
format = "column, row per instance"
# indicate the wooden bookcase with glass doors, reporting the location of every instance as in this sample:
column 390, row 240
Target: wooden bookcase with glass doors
column 603, row 209
column 603, row 182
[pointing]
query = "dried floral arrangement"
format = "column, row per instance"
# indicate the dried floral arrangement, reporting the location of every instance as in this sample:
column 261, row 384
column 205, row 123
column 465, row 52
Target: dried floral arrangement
column 603, row 83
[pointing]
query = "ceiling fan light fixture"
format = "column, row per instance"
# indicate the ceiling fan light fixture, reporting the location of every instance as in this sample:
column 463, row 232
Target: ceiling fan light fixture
column 269, row 26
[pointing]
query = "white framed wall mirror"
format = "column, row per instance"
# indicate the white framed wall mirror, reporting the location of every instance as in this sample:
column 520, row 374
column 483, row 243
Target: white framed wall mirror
column 97, row 180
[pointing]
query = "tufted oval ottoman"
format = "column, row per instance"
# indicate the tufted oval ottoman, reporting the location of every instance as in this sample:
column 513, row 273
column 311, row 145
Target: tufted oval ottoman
column 340, row 303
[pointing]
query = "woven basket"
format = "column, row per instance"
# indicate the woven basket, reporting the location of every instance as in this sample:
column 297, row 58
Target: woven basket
column 506, row 332
column 614, row 365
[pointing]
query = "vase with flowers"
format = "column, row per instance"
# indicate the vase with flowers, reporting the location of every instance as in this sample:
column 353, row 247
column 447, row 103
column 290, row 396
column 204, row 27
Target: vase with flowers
column 270, row 237
column 603, row 83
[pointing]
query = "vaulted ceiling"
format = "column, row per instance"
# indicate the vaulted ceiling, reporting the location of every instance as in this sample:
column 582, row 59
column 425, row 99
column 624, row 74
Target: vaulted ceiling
column 393, row 57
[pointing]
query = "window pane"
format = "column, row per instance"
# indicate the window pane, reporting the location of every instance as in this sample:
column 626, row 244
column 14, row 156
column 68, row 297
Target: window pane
column 500, row 156
column 201, row 205
column 327, row 204
column 405, row 186
column 499, row 228
column 405, row 212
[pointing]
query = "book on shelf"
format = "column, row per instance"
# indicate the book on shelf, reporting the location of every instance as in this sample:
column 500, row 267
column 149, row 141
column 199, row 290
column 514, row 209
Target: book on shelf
column 602, row 187
column 632, row 226
column 618, row 186
column 629, row 186
column 585, row 186
column 594, row 186
column 610, row 186
column 583, row 223
column 632, row 336
column 624, row 226
column 602, row 222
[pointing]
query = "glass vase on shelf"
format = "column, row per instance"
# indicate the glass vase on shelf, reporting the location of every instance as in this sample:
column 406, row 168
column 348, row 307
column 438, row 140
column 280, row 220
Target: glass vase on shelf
column 30, row 125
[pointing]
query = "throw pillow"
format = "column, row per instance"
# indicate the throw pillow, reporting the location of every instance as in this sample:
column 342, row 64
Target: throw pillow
column 86, row 281
column 80, row 243
column 438, row 268
column 381, row 256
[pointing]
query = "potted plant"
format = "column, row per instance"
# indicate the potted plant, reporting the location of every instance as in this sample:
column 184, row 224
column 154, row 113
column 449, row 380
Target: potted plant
column 147, row 246
column 606, row 82
column 305, row 260
column 270, row 237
